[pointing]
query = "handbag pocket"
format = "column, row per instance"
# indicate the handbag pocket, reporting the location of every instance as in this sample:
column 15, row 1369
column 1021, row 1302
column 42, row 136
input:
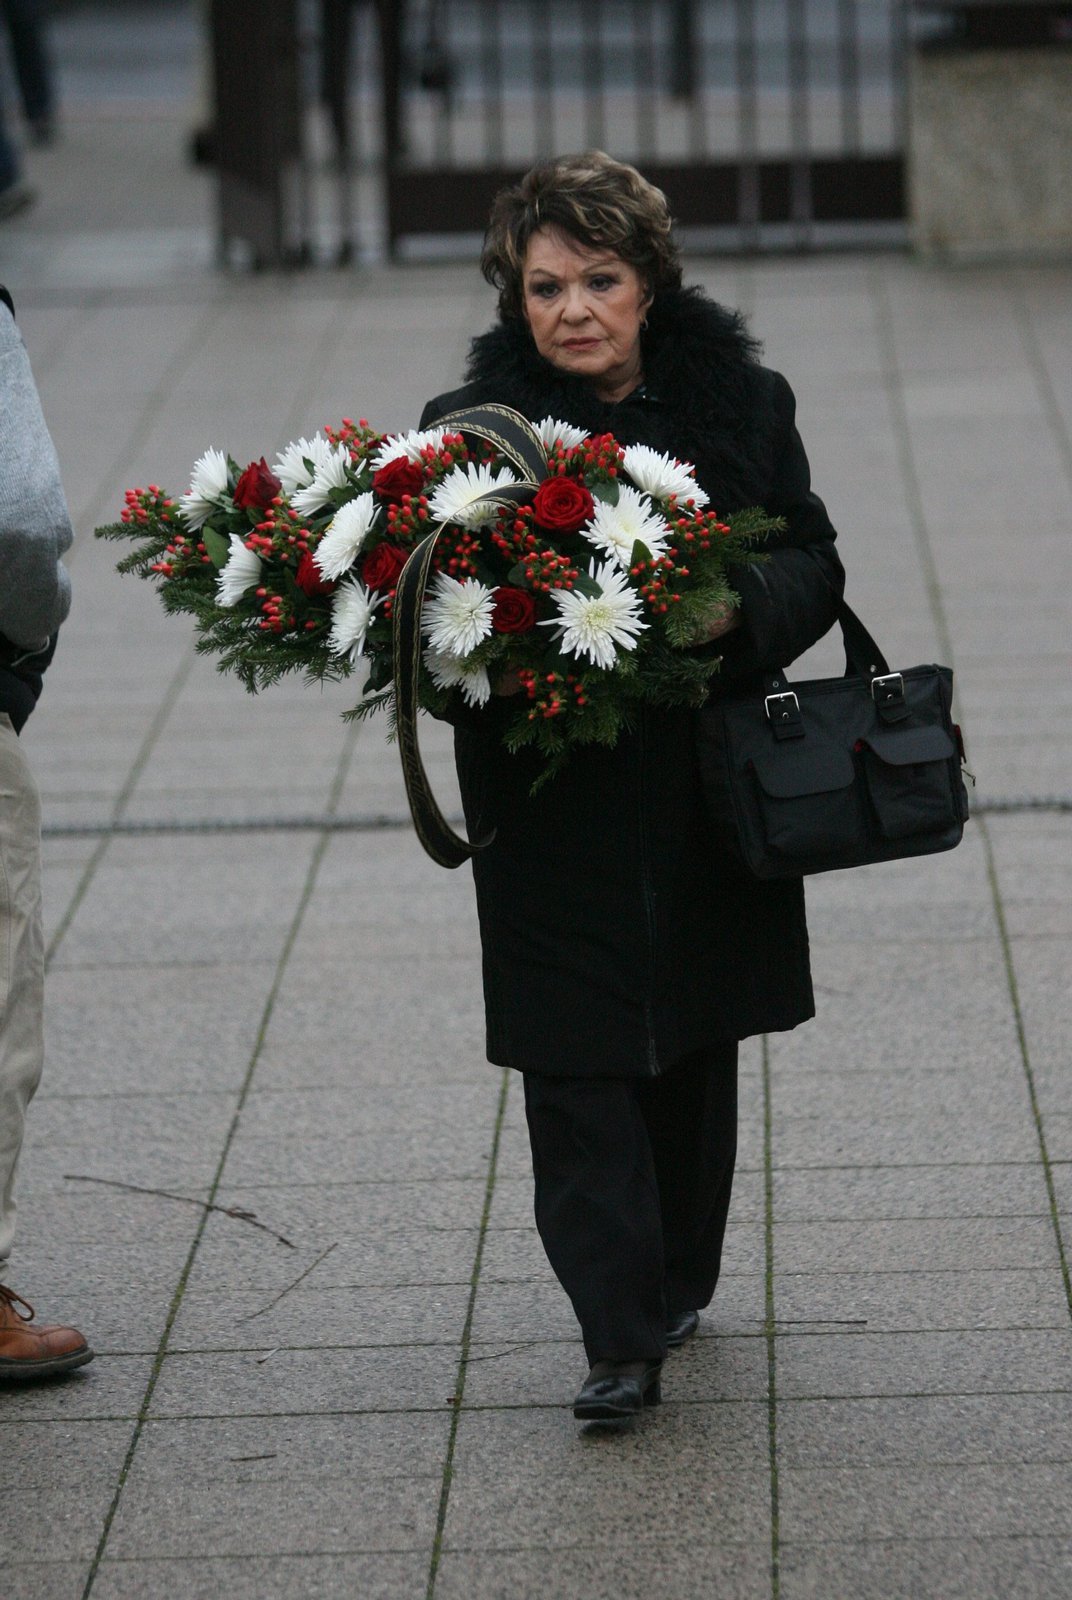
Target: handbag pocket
column 806, row 799
column 906, row 774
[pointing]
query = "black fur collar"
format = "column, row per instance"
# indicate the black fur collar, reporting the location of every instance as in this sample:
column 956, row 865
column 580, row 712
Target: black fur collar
column 702, row 400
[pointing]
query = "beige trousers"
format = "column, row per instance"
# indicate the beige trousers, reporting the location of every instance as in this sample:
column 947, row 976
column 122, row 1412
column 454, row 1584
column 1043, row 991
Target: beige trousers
column 22, row 964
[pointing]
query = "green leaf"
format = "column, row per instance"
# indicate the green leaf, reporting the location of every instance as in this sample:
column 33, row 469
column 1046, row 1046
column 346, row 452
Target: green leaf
column 218, row 548
column 605, row 489
column 583, row 584
column 516, row 575
column 640, row 552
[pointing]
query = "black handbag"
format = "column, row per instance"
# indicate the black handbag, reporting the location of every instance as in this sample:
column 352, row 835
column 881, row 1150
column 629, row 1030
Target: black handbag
column 835, row 772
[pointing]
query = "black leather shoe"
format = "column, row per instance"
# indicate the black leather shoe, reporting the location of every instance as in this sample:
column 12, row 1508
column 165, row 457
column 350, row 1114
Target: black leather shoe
column 617, row 1389
column 681, row 1325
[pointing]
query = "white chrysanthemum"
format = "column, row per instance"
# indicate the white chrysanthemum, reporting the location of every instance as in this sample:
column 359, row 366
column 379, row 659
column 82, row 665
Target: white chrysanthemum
column 457, row 615
column 406, row 446
column 290, row 466
column 209, row 484
column 346, row 534
column 331, row 473
column 449, row 672
column 241, row 571
column 552, row 432
column 615, row 529
column 457, row 497
column 662, row 476
column 352, row 609
column 591, row 625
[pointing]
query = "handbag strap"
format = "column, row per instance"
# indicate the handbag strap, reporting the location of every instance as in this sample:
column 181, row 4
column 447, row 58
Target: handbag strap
column 516, row 439
column 863, row 660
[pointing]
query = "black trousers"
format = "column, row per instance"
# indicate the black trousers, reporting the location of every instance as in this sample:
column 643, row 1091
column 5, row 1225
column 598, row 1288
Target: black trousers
column 33, row 67
column 633, row 1181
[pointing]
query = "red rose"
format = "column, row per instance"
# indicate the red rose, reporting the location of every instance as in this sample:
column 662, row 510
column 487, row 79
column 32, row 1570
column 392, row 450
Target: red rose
column 562, row 505
column 398, row 477
column 310, row 578
column 514, row 610
column 257, row 487
column 383, row 565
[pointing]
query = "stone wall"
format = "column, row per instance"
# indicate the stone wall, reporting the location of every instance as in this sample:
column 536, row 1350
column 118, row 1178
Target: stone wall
column 990, row 152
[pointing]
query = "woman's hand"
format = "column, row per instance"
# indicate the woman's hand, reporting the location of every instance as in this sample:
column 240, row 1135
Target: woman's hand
column 722, row 620
column 507, row 682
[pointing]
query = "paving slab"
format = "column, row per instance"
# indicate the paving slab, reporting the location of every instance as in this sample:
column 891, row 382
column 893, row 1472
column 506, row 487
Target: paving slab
column 85, row 1219
column 169, row 1141
column 320, row 1212
column 46, row 1580
column 50, row 1523
column 103, row 1390
column 339, row 1576
column 660, row 1568
column 434, row 1152
column 145, row 1030
column 908, row 1244
column 939, row 1140
column 957, row 1569
column 343, row 1260
column 978, row 1094
column 1042, row 969
column 913, row 1430
column 301, row 1383
column 973, row 1297
column 997, row 1361
column 346, row 1483
column 336, row 1024
column 881, row 1194
column 245, row 1320
column 958, row 1025
column 879, row 1503
column 502, row 1494
column 212, row 903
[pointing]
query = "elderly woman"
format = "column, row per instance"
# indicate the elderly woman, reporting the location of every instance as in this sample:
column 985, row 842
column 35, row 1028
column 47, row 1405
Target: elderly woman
column 624, row 954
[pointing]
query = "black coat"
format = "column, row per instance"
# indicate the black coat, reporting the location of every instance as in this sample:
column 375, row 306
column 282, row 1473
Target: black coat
column 616, row 937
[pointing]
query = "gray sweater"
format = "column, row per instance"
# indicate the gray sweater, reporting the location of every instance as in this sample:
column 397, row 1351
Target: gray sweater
column 35, row 530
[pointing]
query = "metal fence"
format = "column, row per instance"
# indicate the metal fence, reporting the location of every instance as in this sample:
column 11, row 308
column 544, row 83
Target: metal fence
column 768, row 122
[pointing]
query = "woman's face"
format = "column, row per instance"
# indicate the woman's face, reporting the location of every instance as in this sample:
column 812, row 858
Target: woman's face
column 585, row 308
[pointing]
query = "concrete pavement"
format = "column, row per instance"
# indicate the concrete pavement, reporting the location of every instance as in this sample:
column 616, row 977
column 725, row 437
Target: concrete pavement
column 262, row 1001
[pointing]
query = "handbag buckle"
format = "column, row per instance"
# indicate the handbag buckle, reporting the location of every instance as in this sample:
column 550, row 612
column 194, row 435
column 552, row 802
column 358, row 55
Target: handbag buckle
column 888, row 689
column 887, row 692
column 783, row 714
column 786, row 713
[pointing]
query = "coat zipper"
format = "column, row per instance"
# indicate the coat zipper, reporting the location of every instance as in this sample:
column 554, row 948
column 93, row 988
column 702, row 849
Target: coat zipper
column 646, row 888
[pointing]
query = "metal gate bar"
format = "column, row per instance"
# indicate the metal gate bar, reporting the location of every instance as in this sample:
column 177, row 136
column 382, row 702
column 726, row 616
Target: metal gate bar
column 753, row 114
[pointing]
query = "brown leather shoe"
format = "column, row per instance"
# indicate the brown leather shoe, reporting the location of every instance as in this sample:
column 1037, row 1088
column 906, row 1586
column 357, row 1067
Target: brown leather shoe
column 37, row 1352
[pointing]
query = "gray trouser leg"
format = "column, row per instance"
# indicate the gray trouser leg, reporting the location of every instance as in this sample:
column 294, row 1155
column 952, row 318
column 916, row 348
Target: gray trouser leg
column 22, row 964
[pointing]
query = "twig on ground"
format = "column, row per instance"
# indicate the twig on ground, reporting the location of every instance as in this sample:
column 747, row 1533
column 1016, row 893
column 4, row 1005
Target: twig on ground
column 189, row 1200
column 299, row 1279
column 497, row 1355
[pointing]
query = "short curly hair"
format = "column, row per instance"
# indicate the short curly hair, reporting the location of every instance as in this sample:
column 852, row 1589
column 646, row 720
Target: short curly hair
column 596, row 201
